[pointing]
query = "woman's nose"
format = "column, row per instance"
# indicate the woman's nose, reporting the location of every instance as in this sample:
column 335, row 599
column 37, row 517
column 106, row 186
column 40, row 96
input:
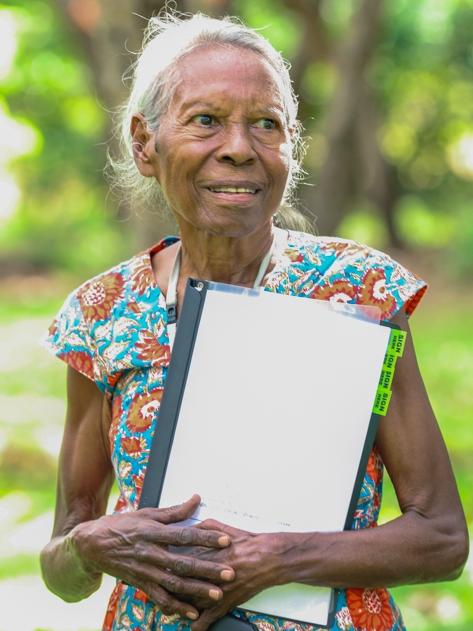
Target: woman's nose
column 237, row 145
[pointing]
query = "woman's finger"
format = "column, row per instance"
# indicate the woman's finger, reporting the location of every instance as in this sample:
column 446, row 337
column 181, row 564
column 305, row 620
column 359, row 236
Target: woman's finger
column 187, row 536
column 213, row 524
column 172, row 514
column 167, row 589
column 194, row 567
column 157, row 556
column 167, row 603
column 184, row 586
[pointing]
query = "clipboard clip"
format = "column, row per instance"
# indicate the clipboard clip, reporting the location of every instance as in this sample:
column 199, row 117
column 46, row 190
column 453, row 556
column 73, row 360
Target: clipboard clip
column 171, row 311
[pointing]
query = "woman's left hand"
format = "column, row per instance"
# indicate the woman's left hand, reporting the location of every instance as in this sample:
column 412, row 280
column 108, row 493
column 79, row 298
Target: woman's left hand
column 254, row 560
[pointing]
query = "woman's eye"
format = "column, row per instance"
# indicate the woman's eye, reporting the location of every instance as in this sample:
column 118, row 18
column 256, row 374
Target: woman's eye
column 266, row 123
column 206, row 120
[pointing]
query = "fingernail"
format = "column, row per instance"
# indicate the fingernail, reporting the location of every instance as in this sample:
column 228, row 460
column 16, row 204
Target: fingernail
column 224, row 540
column 227, row 575
column 192, row 615
column 215, row 594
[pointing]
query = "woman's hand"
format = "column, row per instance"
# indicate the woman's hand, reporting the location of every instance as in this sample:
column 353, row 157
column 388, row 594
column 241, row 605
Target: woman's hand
column 133, row 547
column 255, row 561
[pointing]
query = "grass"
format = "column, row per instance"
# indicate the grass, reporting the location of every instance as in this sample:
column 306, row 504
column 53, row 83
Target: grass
column 31, row 420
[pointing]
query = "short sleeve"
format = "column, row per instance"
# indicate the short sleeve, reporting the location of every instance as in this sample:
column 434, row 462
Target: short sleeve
column 389, row 285
column 70, row 339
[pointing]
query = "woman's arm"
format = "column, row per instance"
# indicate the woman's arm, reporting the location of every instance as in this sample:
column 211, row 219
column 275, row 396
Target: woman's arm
column 427, row 542
column 130, row 546
column 84, row 481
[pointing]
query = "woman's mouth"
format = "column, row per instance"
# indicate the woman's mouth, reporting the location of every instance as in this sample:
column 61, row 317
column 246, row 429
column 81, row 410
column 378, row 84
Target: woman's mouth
column 238, row 190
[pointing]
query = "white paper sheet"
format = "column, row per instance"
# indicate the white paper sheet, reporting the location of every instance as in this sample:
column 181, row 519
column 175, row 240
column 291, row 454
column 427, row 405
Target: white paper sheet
column 273, row 422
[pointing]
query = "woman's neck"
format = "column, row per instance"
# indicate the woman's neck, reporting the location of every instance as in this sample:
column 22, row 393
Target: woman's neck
column 233, row 260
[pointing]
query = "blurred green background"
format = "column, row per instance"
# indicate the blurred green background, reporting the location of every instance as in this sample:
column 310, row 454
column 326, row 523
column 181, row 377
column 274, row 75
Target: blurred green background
column 386, row 99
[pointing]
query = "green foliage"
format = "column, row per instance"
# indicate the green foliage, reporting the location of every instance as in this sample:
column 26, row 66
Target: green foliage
column 62, row 219
column 365, row 226
column 19, row 565
column 421, row 77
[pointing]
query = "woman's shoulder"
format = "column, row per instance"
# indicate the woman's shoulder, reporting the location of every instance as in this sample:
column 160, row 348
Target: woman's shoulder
column 341, row 251
column 343, row 269
column 98, row 297
column 111, row 322
column 333, row 246
column 127, row 286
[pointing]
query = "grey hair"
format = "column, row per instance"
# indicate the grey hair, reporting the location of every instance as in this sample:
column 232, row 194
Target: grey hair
column 167, row 38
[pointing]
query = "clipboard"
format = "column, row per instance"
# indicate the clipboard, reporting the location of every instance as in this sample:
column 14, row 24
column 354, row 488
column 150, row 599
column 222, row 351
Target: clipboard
column 273, row 382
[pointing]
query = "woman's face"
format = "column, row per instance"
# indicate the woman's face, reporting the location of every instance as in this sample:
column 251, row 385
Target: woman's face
column 222, row 152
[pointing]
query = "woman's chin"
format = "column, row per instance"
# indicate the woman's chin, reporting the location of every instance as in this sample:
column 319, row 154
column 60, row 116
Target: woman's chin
column 231, row 225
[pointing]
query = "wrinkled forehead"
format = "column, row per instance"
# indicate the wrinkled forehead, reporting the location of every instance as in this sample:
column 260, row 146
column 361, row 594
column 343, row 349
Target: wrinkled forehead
column 225, row 71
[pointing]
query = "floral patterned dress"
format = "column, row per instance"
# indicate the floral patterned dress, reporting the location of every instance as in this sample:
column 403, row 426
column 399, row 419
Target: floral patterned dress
column 113, row 329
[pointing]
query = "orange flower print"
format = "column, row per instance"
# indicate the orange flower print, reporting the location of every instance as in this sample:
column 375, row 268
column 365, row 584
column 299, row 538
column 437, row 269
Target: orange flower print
column 375, row 466
column 80, row 361
column 143, row 410
column 98, row 296
column 138, row 482
column 150, row 350
column 133, row 446
column 52, row 329
column 338, row 291
column 121, row 505
column 294, row 255
column 141, row 278
column 112, row 607
column 336, row 246
column 373, row 291
column 370, row 609
column 141, row 596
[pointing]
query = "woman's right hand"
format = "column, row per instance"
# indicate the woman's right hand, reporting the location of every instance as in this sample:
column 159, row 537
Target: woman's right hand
column 133, row 547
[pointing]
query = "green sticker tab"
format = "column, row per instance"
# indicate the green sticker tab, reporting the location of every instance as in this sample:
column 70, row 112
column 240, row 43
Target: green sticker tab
column 386, row 378
column 390, row 360
column 397, row 341
column 381, row 401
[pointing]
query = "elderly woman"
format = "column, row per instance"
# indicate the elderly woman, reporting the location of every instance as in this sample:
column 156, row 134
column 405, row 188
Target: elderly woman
column 211, row 126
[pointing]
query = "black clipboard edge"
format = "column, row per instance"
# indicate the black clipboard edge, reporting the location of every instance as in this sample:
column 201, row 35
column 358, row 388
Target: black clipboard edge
column 163, row 437
column 365, row 454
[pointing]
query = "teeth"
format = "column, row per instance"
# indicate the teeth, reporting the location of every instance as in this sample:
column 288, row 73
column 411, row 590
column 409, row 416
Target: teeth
column 232, row 189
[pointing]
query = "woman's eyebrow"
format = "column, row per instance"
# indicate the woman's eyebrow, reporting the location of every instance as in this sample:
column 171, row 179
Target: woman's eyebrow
column 201, row 105
column 275, row 110
column 259, row 109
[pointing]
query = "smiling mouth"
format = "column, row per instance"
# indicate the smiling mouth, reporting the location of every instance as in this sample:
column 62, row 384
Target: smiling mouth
column 233, row 189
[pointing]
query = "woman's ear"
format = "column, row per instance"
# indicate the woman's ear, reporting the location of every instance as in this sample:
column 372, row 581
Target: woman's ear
column 142, row 144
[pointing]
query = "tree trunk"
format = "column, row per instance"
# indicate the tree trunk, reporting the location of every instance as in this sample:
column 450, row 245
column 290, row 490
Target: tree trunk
column 379, row 184
column 337, row 183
